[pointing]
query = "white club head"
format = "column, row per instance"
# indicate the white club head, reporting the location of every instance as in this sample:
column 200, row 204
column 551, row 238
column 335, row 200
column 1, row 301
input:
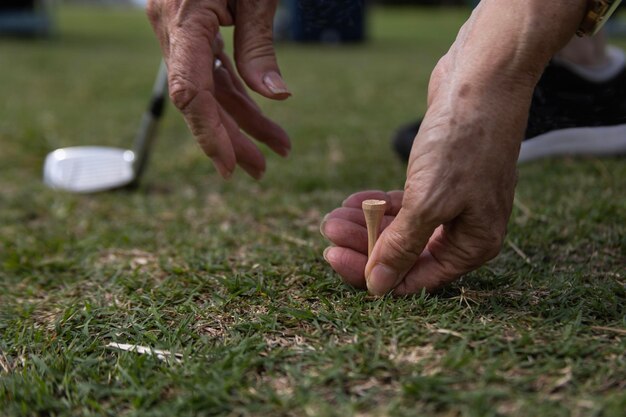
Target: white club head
column 88, row 169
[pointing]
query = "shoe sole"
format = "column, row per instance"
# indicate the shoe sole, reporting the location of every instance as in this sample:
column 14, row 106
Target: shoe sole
column 589, row 141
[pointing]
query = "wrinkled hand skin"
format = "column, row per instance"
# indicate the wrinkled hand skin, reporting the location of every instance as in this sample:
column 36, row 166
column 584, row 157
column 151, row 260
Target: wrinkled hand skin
column 213, row 99
column 452, row 215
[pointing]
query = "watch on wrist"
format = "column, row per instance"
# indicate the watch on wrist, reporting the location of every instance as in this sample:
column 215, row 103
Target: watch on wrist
column 598, row 12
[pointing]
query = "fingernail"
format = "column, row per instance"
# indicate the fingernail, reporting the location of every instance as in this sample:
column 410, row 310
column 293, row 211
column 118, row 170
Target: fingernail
column 325, row 253
column 381, row 279
column 322, row 227
column 275, row 83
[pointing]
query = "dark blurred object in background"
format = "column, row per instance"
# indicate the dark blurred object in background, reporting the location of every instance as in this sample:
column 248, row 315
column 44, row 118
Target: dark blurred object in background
column 423, row 2
column 25, row 18
column 325, row 21
column 336, row 21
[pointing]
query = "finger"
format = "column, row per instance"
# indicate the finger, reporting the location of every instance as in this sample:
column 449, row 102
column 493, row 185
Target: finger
column 348, row 264
column 346, row 234
column 427, row 274
column 249, row 157
column 254, row 48
column 355, row 200
column 191, row 87
column 246, row 113
column 355, row 216
column 396, row 251
column 158, row 17
column 393, row 199
column 452, row 251
column 202, row 116
column 235, row 79
column 202, row 17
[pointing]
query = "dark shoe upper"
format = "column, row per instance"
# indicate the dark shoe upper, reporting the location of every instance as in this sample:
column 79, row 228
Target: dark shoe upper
column 564, row 99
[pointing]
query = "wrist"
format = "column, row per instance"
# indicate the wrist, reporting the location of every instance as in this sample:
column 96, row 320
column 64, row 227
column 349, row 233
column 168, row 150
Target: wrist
column 511, row 41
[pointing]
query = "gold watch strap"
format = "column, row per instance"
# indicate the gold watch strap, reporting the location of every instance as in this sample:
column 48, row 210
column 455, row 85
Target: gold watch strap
column 598, row 12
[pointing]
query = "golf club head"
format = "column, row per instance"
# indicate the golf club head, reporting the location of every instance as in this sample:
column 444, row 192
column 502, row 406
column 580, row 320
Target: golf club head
column 88, row 169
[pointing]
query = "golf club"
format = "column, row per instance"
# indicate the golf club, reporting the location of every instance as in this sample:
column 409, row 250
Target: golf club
column 89, row 169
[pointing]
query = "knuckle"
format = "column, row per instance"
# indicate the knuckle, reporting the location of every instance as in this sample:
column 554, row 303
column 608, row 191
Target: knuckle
column 473, row 250
column 398, row 248
column 197, row 17
column 192, row 18
column 493, row 245
column 259, row 46
column 189, row 35
column 427, row 214
column 210, row 25
column 424, row 214
column 487, row 247
column 255, row 52
column 419, row 209
column 182, row 91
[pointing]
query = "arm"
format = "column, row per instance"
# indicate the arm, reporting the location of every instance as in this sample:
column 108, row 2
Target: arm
column 452, row 216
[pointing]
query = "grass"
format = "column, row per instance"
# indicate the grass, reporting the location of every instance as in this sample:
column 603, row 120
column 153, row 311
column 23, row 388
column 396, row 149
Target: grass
column 230, row 275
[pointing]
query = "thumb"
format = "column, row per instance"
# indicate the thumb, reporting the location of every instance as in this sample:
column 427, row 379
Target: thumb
column 396, row 252
column 254, row 48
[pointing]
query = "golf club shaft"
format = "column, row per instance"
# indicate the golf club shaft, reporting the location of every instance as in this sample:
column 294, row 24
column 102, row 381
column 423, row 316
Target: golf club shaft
column 147, row 128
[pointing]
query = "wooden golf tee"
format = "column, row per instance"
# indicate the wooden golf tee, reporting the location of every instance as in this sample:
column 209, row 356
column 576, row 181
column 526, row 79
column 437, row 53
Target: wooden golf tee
column 374, row 210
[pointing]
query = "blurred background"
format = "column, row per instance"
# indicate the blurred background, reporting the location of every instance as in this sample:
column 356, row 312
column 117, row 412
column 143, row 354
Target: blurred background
column 296, row 19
